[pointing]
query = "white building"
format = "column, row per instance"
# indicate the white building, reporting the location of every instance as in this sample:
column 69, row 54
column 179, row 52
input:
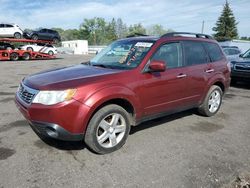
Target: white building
column 243, row 45
column 77, row 46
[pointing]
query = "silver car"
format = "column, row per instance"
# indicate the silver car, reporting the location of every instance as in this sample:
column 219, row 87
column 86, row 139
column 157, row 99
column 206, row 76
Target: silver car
column 232, row 53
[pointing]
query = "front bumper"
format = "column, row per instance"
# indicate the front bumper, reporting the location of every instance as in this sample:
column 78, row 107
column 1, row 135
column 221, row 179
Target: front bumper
column 63, row 121
column 240, row 75
column 54, row 131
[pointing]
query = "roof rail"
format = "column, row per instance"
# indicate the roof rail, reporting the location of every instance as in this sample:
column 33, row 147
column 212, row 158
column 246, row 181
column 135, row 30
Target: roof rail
column 136, row 35
column 197, row 35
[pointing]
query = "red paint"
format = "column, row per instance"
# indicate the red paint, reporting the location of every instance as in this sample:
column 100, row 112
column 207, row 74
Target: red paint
column 148, row 93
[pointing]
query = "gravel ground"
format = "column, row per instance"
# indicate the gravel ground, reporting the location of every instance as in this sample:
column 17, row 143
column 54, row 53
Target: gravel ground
column 181, row 150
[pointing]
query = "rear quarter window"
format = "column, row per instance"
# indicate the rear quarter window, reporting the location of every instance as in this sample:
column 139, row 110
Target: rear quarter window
column 213, row 51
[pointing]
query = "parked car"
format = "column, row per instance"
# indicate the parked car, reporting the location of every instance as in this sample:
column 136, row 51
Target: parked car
column 232, row 53
column 10, row 30
column 43, row 34
column 39, row 47
column 235, row 47
column 6, row 46
column 240, row 68
column 99, row 101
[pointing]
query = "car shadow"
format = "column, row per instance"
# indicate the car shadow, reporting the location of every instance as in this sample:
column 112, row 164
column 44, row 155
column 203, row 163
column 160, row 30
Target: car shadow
column 63, row 145
column 162, row 120
column 80, row 145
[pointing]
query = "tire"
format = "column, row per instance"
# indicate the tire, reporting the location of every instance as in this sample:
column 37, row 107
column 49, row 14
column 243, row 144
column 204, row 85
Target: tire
column 212, row 102
column 30, row 49
column 98, row 135
column 14, row 56
column 50, row 52
column 26, row 56
column 17, row 35
column 55, row 40
column 34, row 37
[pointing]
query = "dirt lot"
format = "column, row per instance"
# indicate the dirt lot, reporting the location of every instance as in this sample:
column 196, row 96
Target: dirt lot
column 181, row 150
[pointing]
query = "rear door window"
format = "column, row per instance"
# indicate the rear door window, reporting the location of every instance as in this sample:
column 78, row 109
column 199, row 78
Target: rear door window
column 214, row 51
column 8, row 25
column 195, row 53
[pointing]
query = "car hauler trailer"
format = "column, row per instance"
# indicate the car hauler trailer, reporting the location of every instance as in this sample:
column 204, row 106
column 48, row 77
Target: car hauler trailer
column 16, row 54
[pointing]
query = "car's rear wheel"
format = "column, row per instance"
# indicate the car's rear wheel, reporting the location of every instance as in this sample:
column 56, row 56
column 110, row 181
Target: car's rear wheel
column 55, row 40
column 212, row 102
column 51, row 52
column 14, row 56
column 30, row 49
column 17, row 35
column 34, row 37
column 26, row 56
column 108, row 129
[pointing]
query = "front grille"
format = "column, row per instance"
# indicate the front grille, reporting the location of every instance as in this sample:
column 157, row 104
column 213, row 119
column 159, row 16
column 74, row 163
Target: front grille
column 26, row 94
column 242, row 67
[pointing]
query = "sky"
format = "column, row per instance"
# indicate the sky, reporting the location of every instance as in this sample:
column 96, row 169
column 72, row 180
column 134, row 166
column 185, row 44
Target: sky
column 179, row 15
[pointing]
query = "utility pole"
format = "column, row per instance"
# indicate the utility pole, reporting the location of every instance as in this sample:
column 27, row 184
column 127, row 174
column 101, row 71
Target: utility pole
column 202, row 27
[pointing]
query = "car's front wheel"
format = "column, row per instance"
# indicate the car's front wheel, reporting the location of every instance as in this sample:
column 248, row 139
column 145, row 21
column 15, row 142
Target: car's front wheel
column 108, row 129
column 212, row 102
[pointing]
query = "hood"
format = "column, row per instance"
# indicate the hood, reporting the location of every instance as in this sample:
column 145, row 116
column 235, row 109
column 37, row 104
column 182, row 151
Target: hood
column 67, row 77
column 241, row 60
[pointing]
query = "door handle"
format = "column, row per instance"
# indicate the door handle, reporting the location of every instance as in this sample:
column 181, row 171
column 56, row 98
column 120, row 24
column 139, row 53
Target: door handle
column 181, row 76
column 209, row 70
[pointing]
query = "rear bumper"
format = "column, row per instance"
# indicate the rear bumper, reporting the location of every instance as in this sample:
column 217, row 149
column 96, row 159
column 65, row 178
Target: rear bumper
column 54, row 131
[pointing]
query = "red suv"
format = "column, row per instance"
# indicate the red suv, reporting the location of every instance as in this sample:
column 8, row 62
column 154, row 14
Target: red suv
column 133, row 80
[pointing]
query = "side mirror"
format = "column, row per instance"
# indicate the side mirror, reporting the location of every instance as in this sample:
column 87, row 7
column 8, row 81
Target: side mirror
column 241, row 55
column 157, row 66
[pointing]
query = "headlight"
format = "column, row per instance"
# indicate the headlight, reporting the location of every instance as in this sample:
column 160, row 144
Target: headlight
column 231, row 65
column 54, row 97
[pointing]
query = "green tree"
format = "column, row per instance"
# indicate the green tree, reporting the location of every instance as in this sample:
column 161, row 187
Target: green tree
column 136, row 28
column 157, row 29
column 110, row 31
column 226, row 25
column 93, row 30
column 121, row 29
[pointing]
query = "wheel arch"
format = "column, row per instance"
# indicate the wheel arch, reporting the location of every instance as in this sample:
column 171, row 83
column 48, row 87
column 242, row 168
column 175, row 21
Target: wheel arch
column 122, row 97
column 219, row 81
column 220, row 84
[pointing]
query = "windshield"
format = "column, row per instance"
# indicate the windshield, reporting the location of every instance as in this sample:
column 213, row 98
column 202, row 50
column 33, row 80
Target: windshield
column 246, row 54
column 122, row 54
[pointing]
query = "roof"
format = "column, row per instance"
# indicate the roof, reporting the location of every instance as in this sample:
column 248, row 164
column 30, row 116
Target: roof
column 141, row 38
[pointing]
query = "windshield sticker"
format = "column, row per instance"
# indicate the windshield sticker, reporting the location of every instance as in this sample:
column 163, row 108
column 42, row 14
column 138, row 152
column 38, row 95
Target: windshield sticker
column 144, row 44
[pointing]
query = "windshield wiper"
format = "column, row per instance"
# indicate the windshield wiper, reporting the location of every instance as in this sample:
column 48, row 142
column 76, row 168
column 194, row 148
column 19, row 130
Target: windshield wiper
column 85, row 63
column 101, row 65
